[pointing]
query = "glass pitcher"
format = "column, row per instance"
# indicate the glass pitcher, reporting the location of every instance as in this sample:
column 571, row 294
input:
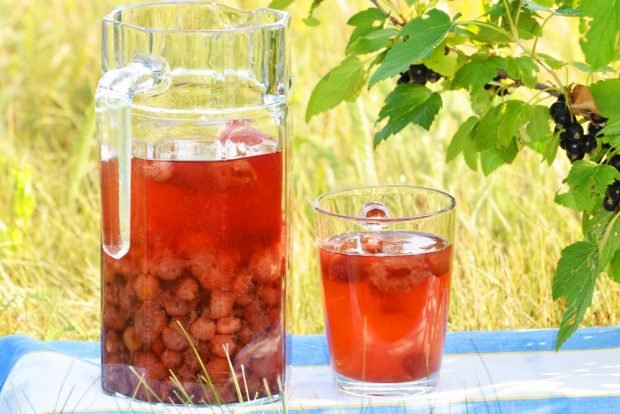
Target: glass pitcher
column 192, row 126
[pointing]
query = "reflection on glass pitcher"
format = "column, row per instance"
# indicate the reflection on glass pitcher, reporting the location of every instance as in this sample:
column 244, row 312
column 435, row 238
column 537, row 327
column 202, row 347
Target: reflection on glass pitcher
column 192, row 125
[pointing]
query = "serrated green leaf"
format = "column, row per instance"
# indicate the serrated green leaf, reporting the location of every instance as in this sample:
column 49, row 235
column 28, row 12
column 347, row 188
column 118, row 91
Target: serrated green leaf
column 574, row 279
column 594, row 224
column 522, row 68
column 422, row 35
column 527, row 26
column 372, row 42
column 588, row 182
column 311, row 21
column 538, row 135
column 365, row 22
column 493, row 158
column 344, row 82
column 280, row 4
column 546, row 6
column 539, row 5
column 551, row 61
column 609, row 241
column 601, row 40
column 462, row 138
column 366, row 17
column 501, row 124
column 441, row 62
column 408, row 104
column 481, row 101
column 483, row 33
column 538, row 128
column 568, row 11
column 613, row 270
column 606, row 94
column 584, row 67
column 477, row 72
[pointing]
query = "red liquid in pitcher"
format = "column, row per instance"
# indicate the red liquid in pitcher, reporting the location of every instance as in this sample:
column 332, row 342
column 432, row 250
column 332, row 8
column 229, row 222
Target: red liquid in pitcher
column 206, row 265
column 386, row 300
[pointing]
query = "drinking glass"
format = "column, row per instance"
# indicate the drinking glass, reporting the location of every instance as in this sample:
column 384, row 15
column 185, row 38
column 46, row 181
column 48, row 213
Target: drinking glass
column 192, row 126
column 386, row 260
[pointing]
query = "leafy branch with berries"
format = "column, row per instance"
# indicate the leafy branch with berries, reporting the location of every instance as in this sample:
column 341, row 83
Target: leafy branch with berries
column 423, row 52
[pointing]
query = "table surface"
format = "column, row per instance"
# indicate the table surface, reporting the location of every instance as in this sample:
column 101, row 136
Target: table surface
column 482, row 372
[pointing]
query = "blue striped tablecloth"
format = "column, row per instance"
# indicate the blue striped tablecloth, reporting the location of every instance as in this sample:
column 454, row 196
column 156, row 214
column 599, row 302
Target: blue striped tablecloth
column 482, row 372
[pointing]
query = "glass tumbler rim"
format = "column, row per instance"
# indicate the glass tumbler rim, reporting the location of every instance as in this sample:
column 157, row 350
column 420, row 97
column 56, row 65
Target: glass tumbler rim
column 114, row 18
column 319, row 209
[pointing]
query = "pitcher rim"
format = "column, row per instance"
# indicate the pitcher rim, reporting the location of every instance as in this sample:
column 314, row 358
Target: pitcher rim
column 112, row 18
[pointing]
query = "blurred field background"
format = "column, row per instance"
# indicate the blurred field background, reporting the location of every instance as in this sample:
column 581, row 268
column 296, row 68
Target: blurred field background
column 509, row 232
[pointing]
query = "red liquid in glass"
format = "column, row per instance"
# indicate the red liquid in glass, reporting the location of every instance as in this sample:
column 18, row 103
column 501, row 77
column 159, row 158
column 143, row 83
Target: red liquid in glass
column 386, row 300
column 207, row 252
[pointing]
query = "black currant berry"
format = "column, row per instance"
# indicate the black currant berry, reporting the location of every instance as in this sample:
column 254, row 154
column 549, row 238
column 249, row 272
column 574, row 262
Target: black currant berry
column 575, row 157
column 609, row 204
column 574, row 131
column 404, row 78
column 556, row 108
column 613, row 191
column 418, row 73
column 589, row 143
column 432, row 76
column 573, row 147
column 615, row 162
column 594, row 128
column 563, row 140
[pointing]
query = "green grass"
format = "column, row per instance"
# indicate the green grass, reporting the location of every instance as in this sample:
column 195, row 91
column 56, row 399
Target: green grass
column 509, row 232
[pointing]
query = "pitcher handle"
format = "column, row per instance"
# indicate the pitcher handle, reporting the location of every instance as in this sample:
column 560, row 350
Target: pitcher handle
column 113, row 98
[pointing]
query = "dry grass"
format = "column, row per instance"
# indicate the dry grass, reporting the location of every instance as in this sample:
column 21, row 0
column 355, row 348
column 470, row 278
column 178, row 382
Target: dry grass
column 509, row 231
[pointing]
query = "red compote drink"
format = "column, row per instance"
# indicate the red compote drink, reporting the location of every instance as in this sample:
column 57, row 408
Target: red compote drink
column 386, row 301
column 206, row 265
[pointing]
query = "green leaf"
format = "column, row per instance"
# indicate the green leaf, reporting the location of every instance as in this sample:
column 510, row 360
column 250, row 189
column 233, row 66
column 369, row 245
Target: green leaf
column 548, row 149
column 311, row 21
column 365, row 22
column 588, row 182
column 538, row 135
column 522, row 68
column 441, row 62
column 594, row 224
column 493, row 158
column 344, row 82
column 462, row 138
column 422, row 35
column 551, row 61
column 537, row 128
column 366, row 18
column 609, row 241
column 546, row 6
column 483, row 32
column 613, row 271
column 527, row 26
column 501, row 124
column 372, row 42
column 478, row 72
column 601, row 40
column 584, row 67
column 606, row 94
column 539, row 5
column 574, row 279
column 408, row 104
column 280, row 4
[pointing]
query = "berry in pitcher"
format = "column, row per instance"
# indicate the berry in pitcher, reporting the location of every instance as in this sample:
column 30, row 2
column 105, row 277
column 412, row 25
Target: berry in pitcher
column 201, row 284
